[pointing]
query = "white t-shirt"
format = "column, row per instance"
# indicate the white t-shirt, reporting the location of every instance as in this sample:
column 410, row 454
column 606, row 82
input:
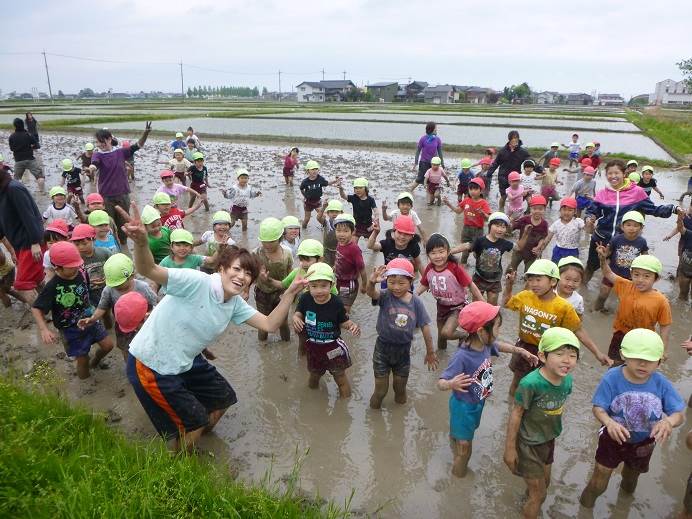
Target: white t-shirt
column 529, row 182
column 567, row 235
column 67, row 213
column 577, row 302
column 208, row 238
column 574, row 147
column 395, row 213
column 241, row 196
column 293, row 247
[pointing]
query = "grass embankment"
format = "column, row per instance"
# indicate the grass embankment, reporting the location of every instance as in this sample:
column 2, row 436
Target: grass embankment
column 670, row 130
column 57, row 461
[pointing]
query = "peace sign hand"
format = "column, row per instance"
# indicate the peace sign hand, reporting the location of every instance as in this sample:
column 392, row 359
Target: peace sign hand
column 134, row 228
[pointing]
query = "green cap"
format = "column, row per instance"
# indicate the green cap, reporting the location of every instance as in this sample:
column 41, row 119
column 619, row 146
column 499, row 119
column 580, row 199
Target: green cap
column 569, row 260
column 88, row 147
column 647, row 262
column 182, row 236
column 198, row 155
column 589, row 145
column 634, row 216
column 312, row 164
column 221, row 217
column 632, row 163
column 118, row 269
column 240, row 172
column 436, row 161
column 555, row 145
column 67, row 165
column 466, row 163
column 403, row 196
column 149, row 215
column 161, row 198
column 270, row 229
column 99, row 217
column 634, row 177
column 345, row 218
column 335, row 205
column 311, row 248
column 543, row 267
column 57, row 190
column 648, row 168
column 320, row 271
column 290, row 221
column 360, row 182
column 178, row 135
column 555, row 338
column 642, row 343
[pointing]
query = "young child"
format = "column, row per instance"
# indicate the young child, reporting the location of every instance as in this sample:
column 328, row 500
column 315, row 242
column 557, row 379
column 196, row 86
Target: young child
column 574, row 148
column 240, row 195
column 291, row 163
column 172, row 217
column 276, row 262
column 181, row 256
column 199, row 180
column 66, row 296
column 533, row 228
column 464, row 176
column 549, row 181
column 536, row 418
column 104, row 236
column 400, row 242
column 172, row 189
column 309, row 252
column 641, row 305
column 448, row 283
column 130, row 312
column 179, row 165
column 470, row 376
column 190, row 136
column 404, row 204
column 622, row 250
column 364, row 206
column 322, row 315
column 584, row 190
column 630, row 402
column 311, row 189
column 159, row 236
column 566, row 230
column 55, row 232
column 552, row 153
column 631, row 167
column 596, row 156
column 349, row 265
column 291, row 236
column 485, row 163
column 221, row 226
column 93, row 257
column 529, row 177
column 72, row 175
column 515, row 196
column 648, row 182
column 59, row 208
column 190, row 149
column 433, row 178
column 684, row 272
column 401, row 312
column 85, row 159
column 178, row 143
column 571, row 276
column 333, row 208
column 476, row 211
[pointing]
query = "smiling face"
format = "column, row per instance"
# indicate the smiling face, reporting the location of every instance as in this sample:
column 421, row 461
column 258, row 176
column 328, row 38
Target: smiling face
column 168, row 181
column 498, row 230
column 570, row 279
column 401, row 240
column 537, row 211
column 235, row 279
column 528, row 170
column 93, row 206
column 514, row 184
column 643, row 280
column 344, row 233
column 333, row 214
column 181, row 249
column 320, row 290
column 222, row 228
column 566, row 213
column 306, row 261
column 398, row 285
column 404, row 206
column 312, row 173
column 105, row 144
column 102, row 231
column 474, row 191
column 242, row 180
column 199, row 163
column 154, row 228
column 291, row 233
column 540, row 285
column 631, row 229
column 438, row 256
column 59, row 201
column 639, row 370
column 615, row 177
column 163, row 208
column 560, row 362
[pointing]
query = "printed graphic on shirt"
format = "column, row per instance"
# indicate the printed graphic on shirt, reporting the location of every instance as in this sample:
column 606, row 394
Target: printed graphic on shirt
column 637, row 411
column 401, row 320
column 535, row 322
column 549, row 404
column 483, row 380
column 625, row 255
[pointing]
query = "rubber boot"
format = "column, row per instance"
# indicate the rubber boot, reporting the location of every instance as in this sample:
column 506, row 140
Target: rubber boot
column 400, row 389
column 381, row 388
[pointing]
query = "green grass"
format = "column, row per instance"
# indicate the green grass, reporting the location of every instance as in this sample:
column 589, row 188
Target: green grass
column 672, row 131
column 58, row 461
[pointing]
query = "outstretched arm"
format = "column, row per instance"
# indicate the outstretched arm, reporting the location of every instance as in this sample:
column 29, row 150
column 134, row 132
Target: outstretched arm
column 144, row 260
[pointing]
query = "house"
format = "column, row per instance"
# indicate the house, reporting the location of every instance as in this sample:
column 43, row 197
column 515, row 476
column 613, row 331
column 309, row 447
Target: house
column 580, row 99
column 321, row 91
column 385, row 91
column 547, row 98
column 609, row 100
column 411, row 93
column 669, row 92
column 441, row 94
column 478, row 95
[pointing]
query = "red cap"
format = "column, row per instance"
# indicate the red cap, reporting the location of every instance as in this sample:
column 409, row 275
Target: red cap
column 478, row 181
column 555, row 161
column 166, row 173
column 569, row 202
column 404, row 223
column 513, row 175
column 65, row 254
column 475, row 315
column 60, row 226
column 399, row 267
column 485, row 160
column 586, row 161
column 94, row 197
column 83, row 231
column 537, row 200
column 126, row 144
column 588, row 170
column 130, row 310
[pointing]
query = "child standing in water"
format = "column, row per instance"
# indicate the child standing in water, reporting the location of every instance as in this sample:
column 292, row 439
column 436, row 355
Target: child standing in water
column 574, row 148
column 240, row 195
column 464, row 176
column 433, row 178
column 220, row 227
column 549, row 181
column 400, row 242
column 364, row 206
column 159, row 237
column 326, row 216
column 181, row 256
column 476, row 211
column 179, row 165
column 172, row 189
column 648, row 183
column 72, row 175
column 349, row 266
column 533, row 228
column 85, row 159
column 515, row 197
column 404, row 206
column 93, row 259
column 105, row 237
column 58, row 209
column 172, row 217
column 311, row 189
column 584, row 190
column 199, row 180
column 291, row 236
column 291, row 162
column 566, row 230
column 571, row 276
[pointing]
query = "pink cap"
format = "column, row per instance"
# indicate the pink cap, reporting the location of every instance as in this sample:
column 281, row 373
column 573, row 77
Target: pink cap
column 93, row 198
column 485, row 160
column 60, row 226
column 588, row 170
column 586, row 161
column 65, row 254
column 569, row 202
column 555, row 161
column 513, row 176
column 399, row 267
column 166, row 173
column 130, row 310
column 537, row 200
column 404, row 224
column 478, row 181
column 475, row 315
column 83, row 231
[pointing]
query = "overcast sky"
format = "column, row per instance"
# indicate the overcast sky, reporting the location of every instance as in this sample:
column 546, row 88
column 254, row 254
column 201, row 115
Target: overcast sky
column 607, row 46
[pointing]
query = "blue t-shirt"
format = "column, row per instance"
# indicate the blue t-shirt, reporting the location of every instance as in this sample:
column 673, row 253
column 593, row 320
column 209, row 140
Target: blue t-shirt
column 178, row 145
column 476, row 364
column 109, row 243
column 623, row 252
column 397, row 319
column 464, row 178
column 686, row 238
column 637, row 406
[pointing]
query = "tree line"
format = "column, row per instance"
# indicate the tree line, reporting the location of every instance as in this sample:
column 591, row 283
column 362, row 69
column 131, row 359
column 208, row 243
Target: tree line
column 224, row 91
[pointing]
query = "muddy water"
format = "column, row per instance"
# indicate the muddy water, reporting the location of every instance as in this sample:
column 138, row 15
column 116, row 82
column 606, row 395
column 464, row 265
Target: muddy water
column 395, row 462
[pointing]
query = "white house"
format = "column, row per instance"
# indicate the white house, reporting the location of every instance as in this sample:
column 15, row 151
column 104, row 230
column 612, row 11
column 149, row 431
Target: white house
column 669, row 92
column 609, row 100
column 547, row 98
column 321, row 91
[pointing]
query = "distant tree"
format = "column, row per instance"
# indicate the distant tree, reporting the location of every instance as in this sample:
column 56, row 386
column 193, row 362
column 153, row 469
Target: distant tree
column 86, row 92
column 60, row 93
column 189, row 92
column 264, row 91
column 255, row 92
column 685, row 67
column 492, row 98
column 522, row 91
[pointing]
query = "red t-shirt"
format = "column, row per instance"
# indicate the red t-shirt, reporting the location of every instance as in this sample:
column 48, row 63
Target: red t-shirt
column 174, row 219
column 349, row 262
column 448, row 287
column 472, row 211
column 536, row 234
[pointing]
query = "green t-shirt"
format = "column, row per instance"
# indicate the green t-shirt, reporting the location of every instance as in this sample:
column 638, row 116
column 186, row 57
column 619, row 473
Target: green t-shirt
column 160, row 247
column 543, row 403
column 286, row 282
column 193, row 261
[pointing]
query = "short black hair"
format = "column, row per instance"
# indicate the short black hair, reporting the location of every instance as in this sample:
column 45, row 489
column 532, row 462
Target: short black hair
column 437, row 240
column 103, row 135
column 18, row 124
column 546, row 353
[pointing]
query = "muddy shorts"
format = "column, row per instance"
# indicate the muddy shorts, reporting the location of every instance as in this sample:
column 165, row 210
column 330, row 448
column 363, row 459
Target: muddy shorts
column 423, row 167
column 549, row 192
column 614, row 348
column 635, row 455
column 517, row 258
column 266, row 302
column 29, row 272
column 75, row 190
column 348, row 291
column 288, row 172
column 462, row 190
column 444, row 311
column 363, row 229
column 487, row 286
column 433, row 187
column 180, row 175
column 534, row 458
column 200, row 187
column 239, row 212
column 388, row 357
column 7, row 280
column 685, row 264
column 518, row 364
column 122, row 339
column 32, row 165
column 330, row 356
column 469, row 234
column 180, row 403
column 77, row 343
column 583, row 202
column 312, row 204
column 464, row 418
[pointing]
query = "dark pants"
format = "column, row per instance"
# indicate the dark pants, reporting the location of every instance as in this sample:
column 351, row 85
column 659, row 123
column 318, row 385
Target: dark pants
column 124, row 202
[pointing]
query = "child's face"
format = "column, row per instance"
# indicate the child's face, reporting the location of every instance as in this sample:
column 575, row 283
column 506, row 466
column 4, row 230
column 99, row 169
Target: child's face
column 540, row 285
column 359, row 191
column 643, row 280
column 154, row 228
column 271, row 246
column 320, row 290
column 435, row 167
column 59, row 201
column 438, row 256
column 630, row 169
column 85, row 246
column 168, row 181
column 190, row 146
column 537, row 211
column 199, row 163
column 498, row 230
column 102, row 230
column 312, row 173
column 181, row 249
column 332, row 214
column 179, row 157
column 401, row 240
column 570, row 279
column 89, row 153
column 235, row 279
column 487, row 338
column 163, row 208
column 67, row 272
column 528, row 170
column 514, row 184
column 398, row 285
column 127, row 286
column 485, row 166
column 242, row 180
column 306, row 261
column 93, row 206
column 640, row 369
column 566, row 213
column 474, row 191
column 575, row 138
column 221, row 228
column 404, row 206
column 552, row 168
column 344, row 233
column 631, row 229
column 587, row 179
column 291, row 233
column 561, row 361
column 553, row 149
column 647, row 176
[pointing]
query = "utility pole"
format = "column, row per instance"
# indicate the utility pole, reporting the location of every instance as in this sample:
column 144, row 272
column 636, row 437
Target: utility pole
column 323, row 74
column 344, row 73
column 45, row 62
column 182, row 83
column 279, row 85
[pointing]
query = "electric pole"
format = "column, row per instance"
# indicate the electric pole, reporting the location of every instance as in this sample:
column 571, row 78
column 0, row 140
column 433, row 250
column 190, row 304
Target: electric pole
column 322, row 74
column 344, row 73
column 45, row 62
column 279, row 85
column 182, row 83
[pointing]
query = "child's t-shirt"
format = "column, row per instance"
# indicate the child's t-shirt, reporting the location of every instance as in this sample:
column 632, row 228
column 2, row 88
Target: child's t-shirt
column 397, row 319
column 275, row 269
column 647, row 187
column 638, row 407
column 543, row 405
column 567, row 235
column 537, row 315
column 489, row 257
column 66, row 213
column 293, row 247
column 574, row 148
column 174, row 192
column 529, row 181
column 349, row 262
column 110, row 295
column 536, row 234
column 639, row 309
column 448, row 286
column 66, row 299
column 472, row 211
column 240, row 196
column 390, row 252
column 515, row 198
column 198, row 176
column 623, row 252
column 583, row 188
column 434, row 176
column 160, row 247
column 322, row 322
column 362, row 209
column 192, row 261
column 577, row 302
column 476, row 364
column 94, row 267
column 312, row 189
column 464, row 177
column 72, row 177
column 174, row 219
column 414, row 216
column 179, row 166
column 549, row 178
column 211, row 244
column 109, row 243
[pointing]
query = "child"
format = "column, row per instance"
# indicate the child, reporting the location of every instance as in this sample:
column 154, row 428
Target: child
column 333, row 208
column 221, row 226
column 596, row 156
column 159, row 237
column 275, row 263
column 684, row 272
column 129, row 162
column 59, row 208
column 240, row 195
column 529, row 177
column 85, row 159
column 574, row 148
column 515, row 196
column 433, row 177
column 476, row 210
column 622, row 250
column 55, row 232
column 401, row 312
column 104, row 237
column 464, row 176
column 181, row 256
column 66, row 296
column 630, row 402
column 364, row 206
column 94, row 257
column 689, row 183
column 172, row 189
column 322, row 316
column 631, row 167
column 178, row 143
column 291, row 236
column 641, row 305
column 534, row 228
column 72, row 175
column 400, row 242
column 536, row 418
column 130, row 311
column 571, row 276
column 470, row 376
column 540, row 309
column 485, row 163
column 172, row 217
column 584, row 190
column 311, row 189
column 648, row 182
column 448, row 283
column 199, row 180
column 589, row 148
column 190, row 149
column 552, row 153
column 349, row 264
column 404, row 204
column 179, row 165
column 549, row 180
column 190, row 136
column 291, row 163
column 309, row 252
column 566, row 230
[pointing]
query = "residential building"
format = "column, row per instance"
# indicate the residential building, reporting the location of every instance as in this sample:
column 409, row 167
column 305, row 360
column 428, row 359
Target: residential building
column 579, row 99
column 477, row 95
column 441, row 94
column 669, row 92
column 385, row 91
column 412, row 93
column 609, row 100
column 547, row 98
column 321, row 91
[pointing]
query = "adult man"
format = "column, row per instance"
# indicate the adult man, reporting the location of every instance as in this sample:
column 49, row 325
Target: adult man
column 23, row 144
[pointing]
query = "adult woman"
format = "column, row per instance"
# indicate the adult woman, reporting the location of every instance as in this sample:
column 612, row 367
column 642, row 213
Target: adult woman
column 181, row 392
column 291, row 162
column 508, row 159
column 429, row 146
column 609, row 205
column 32, row 127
